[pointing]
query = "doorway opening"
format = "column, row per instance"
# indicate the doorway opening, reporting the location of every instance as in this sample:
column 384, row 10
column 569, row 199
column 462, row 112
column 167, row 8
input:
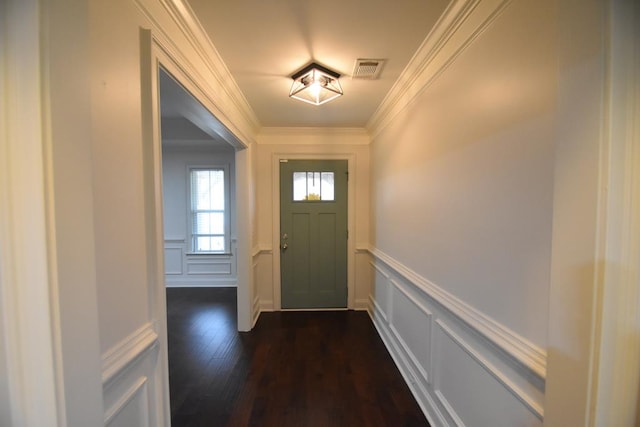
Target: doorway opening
column 198, row 171
column 198, row 188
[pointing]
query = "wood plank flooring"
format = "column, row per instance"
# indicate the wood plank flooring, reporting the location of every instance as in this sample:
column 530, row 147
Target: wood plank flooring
column 293, row 369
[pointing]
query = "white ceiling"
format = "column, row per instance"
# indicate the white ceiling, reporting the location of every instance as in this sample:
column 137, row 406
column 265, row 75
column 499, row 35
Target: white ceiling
column 185, row 122
column 263, row 42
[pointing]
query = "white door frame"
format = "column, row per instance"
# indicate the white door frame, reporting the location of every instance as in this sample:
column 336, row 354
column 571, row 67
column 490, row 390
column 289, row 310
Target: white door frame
column 31, row 380
column 159, row 55
column 593, row 343
column 615, row 392
column 351, row 197
column 49, row 347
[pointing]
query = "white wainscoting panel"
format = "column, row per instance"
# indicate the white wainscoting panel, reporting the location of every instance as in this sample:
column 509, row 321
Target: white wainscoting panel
column 185, row 269
column 208, row 266
column 263, row 276
column 460, row 374
column 480, row 393
column 411, row 327
column 129, row 374
column 115, row 360
column 362, row 278
column 131, row 408
column 173, row 261
column 407, row 368
column 380, row 291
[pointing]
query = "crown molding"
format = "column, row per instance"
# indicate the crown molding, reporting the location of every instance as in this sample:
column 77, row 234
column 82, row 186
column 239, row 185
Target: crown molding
column 461, row 23
column 232, row 105
column 186, row 19
column 313, row 135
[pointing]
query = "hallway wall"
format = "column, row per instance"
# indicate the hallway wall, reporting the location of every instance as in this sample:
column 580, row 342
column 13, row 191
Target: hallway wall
column 130, row 294
column 462, row 207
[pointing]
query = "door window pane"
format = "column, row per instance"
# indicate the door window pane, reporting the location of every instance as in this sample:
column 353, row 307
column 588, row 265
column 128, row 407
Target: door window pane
column 313, row 186
column 327, row 186
column 299, row 186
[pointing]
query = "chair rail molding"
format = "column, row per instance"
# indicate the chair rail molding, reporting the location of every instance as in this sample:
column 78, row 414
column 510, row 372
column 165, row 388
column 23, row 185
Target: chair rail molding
column 524, row 352
column 533, row 406
column 444, row 348
column 121, row 356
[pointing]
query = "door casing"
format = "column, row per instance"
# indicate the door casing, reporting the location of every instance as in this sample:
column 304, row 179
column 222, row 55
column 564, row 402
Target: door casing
column 351, row 197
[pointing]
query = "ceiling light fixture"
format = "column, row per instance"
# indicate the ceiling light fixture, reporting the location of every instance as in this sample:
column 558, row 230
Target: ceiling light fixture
column 315, row 84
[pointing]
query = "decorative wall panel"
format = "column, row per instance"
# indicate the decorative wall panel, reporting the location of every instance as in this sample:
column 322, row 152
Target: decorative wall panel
column 459, row 374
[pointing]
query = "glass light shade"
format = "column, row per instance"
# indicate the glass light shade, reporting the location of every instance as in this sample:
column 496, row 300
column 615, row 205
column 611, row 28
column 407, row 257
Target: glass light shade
column 316, row 85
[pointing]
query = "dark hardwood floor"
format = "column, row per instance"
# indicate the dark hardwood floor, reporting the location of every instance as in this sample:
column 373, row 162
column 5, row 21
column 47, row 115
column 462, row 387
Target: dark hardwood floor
column 293, row 369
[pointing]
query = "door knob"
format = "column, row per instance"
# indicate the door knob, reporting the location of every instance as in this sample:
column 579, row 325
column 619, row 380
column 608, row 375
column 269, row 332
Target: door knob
column 284, row 246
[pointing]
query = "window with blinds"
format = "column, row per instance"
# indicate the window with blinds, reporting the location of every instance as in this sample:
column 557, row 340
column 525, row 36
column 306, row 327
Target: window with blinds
column 209, row 224
column 313, row 186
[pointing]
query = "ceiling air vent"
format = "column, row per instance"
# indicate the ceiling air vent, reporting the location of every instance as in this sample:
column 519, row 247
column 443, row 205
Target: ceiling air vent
column 367, row 68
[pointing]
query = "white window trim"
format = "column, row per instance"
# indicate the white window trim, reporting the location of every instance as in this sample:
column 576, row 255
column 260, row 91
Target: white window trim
column 227, row 207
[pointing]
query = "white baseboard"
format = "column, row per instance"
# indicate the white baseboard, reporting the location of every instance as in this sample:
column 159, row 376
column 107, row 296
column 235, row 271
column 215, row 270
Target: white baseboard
column 361, row 304
column 266, row 305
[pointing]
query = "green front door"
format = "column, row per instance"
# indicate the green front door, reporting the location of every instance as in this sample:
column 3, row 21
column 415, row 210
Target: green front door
column 313, row 233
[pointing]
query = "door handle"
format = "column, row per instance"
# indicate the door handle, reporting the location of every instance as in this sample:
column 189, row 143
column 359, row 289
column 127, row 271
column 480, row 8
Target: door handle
column 284, row 246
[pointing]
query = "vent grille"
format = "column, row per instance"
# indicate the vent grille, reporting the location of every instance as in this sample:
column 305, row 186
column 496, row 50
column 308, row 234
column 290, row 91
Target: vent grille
column 367, row 69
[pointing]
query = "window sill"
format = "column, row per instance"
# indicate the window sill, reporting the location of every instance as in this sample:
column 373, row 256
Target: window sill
column 209, row 254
